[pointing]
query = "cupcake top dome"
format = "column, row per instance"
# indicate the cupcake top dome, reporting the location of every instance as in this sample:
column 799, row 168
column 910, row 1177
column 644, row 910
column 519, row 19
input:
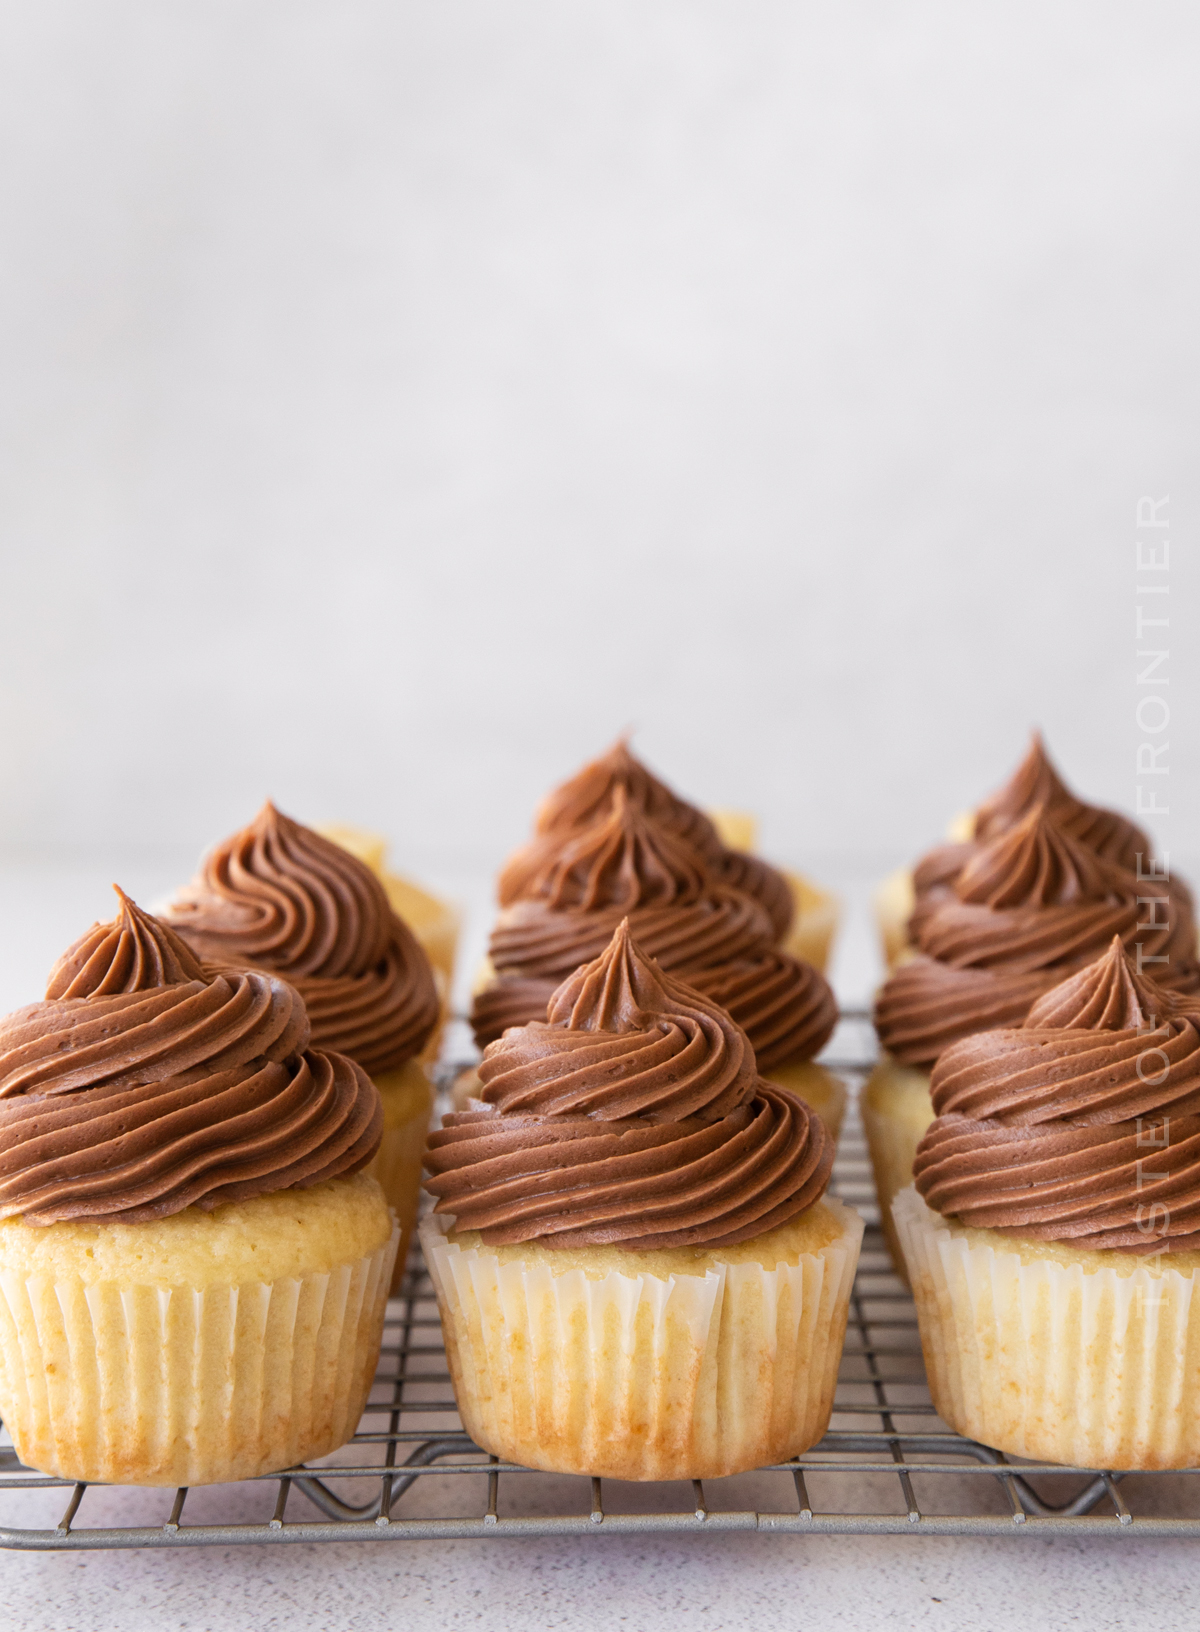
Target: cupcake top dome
column 1082, row 1125
column 146, row 1082
column 279, row 896
column 625, row 863
column 633, row 1115
column 1019, row 911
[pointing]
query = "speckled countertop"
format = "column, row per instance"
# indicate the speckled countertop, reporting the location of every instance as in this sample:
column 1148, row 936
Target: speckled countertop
column 727, row 1581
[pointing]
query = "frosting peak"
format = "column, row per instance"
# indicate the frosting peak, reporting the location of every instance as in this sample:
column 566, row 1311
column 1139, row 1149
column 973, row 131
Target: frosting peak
column 589, row 796
column 133, row 953
column 622, row 1038
column 286, row 899
column 615, row 993
column 615, row 841
column 591, row 792
column 1036, row 782
column 1109, row 995
column 619, row 860
column 1033, row 863
column 633, row 1115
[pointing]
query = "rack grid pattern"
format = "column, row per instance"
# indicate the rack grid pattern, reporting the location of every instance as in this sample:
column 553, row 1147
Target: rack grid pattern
column 887, row 1465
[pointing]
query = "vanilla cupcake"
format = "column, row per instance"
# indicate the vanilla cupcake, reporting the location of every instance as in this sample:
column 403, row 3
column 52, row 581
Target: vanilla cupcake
column 279, row 896
column 1053, row 1234
column 570, row 891
column 638, row 1271
column 999, row 921
column 193, row 1264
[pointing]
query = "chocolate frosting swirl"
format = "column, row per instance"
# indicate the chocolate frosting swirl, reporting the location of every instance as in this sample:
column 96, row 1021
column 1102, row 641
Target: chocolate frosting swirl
column 1082, row 1126
column 1019, row 911
column 633, row 1115
column 510, row 1000
column 1035, row 784
column 279, row 896
column 146, row 1083
column 615, row 842
column 532, row 939
column 785, row 1007
column 925, row 1006
column 719, row 944
column 756, row 877
column 622, row 865
column 589, row 796
column 620, row 859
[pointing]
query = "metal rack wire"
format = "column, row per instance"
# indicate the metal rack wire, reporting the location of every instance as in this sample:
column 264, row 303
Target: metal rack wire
column 886, row 1466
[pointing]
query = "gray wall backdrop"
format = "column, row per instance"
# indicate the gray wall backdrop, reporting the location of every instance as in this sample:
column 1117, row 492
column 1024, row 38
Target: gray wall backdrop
column 399, row 400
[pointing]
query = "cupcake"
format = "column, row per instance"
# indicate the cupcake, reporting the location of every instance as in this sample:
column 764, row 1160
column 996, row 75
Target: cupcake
column 193, row 1263
column 804, row 917
column 1053, row 1234
column 434, row 922
column 278, row 896
column 997, row 922
column 638, row 1271
column 568, row 892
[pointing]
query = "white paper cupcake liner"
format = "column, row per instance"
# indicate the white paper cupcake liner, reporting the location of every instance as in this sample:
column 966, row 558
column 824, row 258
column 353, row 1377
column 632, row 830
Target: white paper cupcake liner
column 1054, row 1360
column 633, row 1376
column 188, row 1386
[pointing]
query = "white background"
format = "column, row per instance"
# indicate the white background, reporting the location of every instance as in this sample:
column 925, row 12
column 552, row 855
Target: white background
column 399, row 401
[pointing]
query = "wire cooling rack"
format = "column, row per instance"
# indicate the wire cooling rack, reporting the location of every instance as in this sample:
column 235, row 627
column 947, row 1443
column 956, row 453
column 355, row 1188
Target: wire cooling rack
column 888, row 1465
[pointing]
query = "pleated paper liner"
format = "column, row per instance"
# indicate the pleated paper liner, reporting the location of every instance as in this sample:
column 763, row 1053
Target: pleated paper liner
column 1092, row 1361
column 636, row 1376
column 188, row 1386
